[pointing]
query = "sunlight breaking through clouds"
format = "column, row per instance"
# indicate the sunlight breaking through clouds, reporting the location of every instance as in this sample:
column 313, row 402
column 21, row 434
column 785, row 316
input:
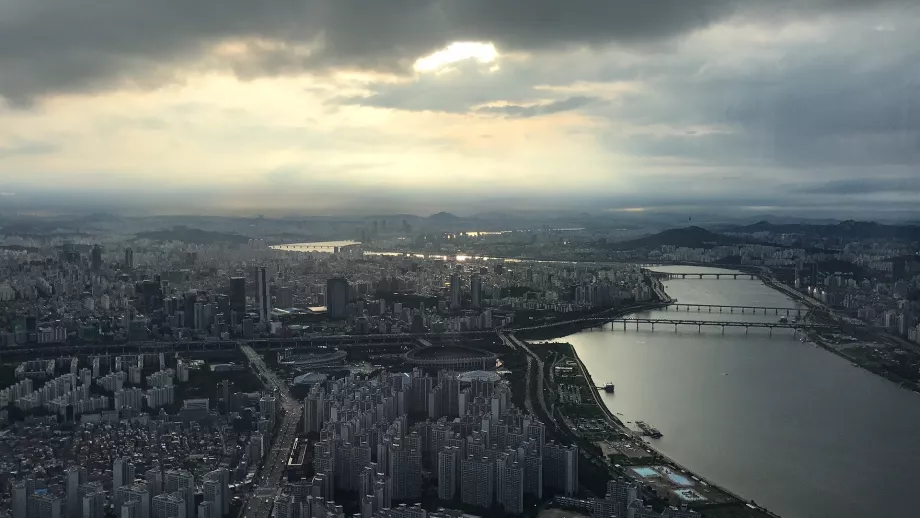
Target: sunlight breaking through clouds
column 456, row 52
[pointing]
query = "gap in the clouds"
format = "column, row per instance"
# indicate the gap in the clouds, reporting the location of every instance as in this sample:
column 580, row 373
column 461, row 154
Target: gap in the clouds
column 481, row 52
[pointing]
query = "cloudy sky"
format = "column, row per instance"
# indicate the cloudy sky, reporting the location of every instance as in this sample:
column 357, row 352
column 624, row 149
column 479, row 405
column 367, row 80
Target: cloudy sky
column 321, row 106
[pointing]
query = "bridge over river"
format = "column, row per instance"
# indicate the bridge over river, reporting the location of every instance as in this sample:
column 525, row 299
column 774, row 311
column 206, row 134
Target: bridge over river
column 715, row 323
column 687, row 306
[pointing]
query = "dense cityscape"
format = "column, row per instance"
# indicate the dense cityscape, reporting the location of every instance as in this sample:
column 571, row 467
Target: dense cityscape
column 171, row 378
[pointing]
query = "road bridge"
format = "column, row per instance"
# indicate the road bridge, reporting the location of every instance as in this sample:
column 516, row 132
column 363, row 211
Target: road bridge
column 692, row 275
column 687, row 306
column 714, row 323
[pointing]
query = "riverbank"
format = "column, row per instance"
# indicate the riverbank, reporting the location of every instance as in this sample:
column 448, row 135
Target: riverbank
column 869, row 335
column 733, row 505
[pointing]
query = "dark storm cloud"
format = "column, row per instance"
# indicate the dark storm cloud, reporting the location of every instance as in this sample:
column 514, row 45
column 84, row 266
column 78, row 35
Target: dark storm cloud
column 64, row 45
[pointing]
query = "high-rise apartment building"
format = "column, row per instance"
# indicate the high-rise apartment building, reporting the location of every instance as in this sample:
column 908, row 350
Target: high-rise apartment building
column 169, row 505
column 448, row 472
column 263, row 295
column 238, row 295
column 154, row 480
column 126, row 495
column 96, row 258
column 44, row 505
column 476, row 291
column 477, row 484
column 336, row 298
column 455, row 291
column 21, row 491
column 220, row 498
column 183, row 484
column 129, row 259
column 122, row 473
column 92, row 500
column 74, row 476
column 560, row 468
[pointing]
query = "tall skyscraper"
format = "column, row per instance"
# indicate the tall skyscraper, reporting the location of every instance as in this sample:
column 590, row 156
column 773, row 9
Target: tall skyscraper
column 183, row 483
column 476, row 291
column 455, row 291
column 263, row 295
column 129, row 258
column 122, row 473
column 96, row 258
column 336, row 298
column 238, row 294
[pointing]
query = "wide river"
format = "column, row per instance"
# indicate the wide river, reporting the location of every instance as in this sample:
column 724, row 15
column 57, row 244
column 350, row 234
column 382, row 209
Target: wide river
column 791, row 426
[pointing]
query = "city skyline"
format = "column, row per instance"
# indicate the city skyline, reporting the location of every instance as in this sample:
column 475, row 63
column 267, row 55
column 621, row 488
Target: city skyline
column 331, row 107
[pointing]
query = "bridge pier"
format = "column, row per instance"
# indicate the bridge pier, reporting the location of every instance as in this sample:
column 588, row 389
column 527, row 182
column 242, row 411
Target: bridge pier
column 745, row 330
column 675, row 328
column 723, row 330
column 771, row 330
column 699, row 328
column 653, row 326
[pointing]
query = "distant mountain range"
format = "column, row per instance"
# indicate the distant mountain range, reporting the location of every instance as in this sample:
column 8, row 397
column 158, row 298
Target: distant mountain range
column 844, row 230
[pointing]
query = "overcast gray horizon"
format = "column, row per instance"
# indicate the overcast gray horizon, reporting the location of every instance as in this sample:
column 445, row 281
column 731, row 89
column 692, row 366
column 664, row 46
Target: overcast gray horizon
column 416, row 106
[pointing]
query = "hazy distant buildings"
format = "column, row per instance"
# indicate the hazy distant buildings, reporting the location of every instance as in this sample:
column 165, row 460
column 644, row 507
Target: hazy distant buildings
column 455, row 291
column 96, row 258
column 238, row 295
column 336, row 297
column 129, row 259
column 263, row 295
column 476, row 291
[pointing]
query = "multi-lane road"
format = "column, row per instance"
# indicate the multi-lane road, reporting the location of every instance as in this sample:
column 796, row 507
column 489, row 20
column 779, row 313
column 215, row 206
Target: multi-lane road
column 267, row 483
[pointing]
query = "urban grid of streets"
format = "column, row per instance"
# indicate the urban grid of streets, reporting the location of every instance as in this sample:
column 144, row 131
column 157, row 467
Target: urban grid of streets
column 267, row 483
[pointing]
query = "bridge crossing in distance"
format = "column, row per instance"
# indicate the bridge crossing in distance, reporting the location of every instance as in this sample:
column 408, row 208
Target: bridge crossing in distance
column 732, row 308
column 678, row 275
column 715, row 323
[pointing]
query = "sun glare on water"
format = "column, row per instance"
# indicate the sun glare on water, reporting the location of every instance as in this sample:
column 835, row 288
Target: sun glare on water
column 456, row 52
